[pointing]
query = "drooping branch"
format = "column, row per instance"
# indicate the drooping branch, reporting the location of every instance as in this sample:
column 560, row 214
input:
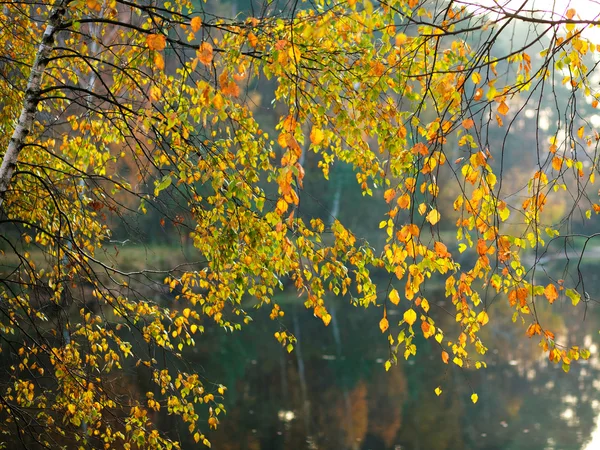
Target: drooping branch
column 32, row 98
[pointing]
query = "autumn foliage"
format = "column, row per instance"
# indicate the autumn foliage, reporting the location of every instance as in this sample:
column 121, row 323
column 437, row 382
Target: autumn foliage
column 142, row 107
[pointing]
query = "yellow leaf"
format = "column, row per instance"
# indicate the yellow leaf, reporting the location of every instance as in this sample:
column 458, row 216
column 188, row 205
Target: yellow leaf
column 433, row 217
column 196, row 24
column 400, row 39
column 71, row 408
column 316, row 136
column 194, row 328
column 580, row 132
column 422, row 208
column 483, row 318
column 155, row 93
column 282, row 206
column 410, row 316
column 186, row 312
column 394, row 297
column 388, row 365
column 383, row 325
column 156, row 41
column 503, row 108
column 476, row 77
column 438, row 391
column 474, row 398
column 425, row 305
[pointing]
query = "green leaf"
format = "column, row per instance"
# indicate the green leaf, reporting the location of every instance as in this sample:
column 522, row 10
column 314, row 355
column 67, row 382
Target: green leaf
column 164, row 183
column 574, row 296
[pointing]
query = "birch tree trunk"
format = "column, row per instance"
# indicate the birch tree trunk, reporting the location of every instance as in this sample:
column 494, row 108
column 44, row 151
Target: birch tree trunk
column 31, row 100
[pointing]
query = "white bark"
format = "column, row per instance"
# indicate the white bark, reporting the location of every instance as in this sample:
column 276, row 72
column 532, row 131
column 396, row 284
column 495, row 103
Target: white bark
column 31, row 100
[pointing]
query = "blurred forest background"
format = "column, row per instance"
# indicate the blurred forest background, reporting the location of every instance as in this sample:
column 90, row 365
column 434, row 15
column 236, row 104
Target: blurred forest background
column 332, row 392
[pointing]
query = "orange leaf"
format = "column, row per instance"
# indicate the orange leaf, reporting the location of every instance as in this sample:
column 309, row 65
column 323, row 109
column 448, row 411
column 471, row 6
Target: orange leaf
column 580, row 132
column 557, row 163
column 427, row 329
column 383, row 325
column 94, row 5
column 156, row 41
column 205, row 53
column 445, row 357
column 570, row 13
column 389, row 195
column 468, row 123
column 441, row 250
column 534, row 328
column 551, row 293
column 196, row 24
column 159, row 61
column 252, row 40
column 420, row 148
column 503, row 108
column 404, row 201
column 482, row 247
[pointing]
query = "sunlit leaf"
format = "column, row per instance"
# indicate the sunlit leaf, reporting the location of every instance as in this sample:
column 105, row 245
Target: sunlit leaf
column 433, row 216
column 410, row 316
column 205, row 53
column 394, row 296
column 196, row 24
column 156, row 41
column 383, row 325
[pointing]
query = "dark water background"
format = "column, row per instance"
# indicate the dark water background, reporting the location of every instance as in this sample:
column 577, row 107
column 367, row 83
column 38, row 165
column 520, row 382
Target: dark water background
column 332, row 391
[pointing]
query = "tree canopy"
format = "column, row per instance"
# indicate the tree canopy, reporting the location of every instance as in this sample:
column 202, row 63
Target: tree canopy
column 123, row 120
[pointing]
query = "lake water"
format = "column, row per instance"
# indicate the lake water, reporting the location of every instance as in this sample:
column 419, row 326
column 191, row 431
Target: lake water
column 332, row 392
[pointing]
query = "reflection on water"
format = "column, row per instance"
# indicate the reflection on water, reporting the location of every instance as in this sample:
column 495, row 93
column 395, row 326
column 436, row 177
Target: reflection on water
column 332, row 392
